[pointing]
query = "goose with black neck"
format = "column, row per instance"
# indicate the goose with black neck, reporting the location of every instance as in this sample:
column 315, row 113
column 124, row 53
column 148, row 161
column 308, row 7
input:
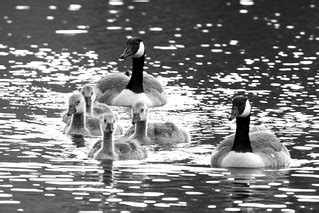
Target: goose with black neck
column 119, row 89
column 249, row 148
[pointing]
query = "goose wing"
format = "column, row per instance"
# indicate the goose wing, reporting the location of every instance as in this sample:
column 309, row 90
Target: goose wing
column 264, row 143
column 96, row 146
column 222, row 150
column 110, row 86
column 269, row 147
column 154, row 90
column 93, row 124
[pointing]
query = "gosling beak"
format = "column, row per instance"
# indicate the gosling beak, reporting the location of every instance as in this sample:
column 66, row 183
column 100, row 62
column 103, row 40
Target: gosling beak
column 127, row 52
column 109, row 127
column 234, row 113
column 71, row 110
column 136, row 118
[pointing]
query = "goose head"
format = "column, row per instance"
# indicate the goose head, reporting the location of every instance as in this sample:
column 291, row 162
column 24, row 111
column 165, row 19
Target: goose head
column 241, row 107
column 134, row 47
column 88, row 94
column 139, row 112
column 107, row 123
column 76, row 104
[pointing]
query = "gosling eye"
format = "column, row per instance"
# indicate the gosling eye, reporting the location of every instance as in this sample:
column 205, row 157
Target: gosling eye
column 78, row 102
column 91, row 93
column 142, row 110
column 105, row 121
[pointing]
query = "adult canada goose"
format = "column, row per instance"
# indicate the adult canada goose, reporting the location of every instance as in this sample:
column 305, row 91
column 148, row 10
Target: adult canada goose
column 167, row 133
column 122, row 149
column 248, row 149
column 81, row 124
column 122, row 90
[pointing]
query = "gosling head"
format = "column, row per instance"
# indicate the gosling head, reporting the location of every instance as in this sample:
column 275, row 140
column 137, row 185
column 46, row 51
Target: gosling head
column 88, row 94
column 107, row 123
column 76, row 104
column 139, row 112
column 241, row 107
column 134, row 47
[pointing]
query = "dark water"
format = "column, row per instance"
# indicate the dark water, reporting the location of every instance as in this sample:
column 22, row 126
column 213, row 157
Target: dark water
column 205, row 51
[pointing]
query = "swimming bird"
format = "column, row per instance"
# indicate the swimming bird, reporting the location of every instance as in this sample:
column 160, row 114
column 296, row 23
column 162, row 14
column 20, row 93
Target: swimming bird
column 119, row 89
column 81, row 124
column 92, row 107
column 167, row 133
column 249, row 149
column 95, row 108
column 122, row 149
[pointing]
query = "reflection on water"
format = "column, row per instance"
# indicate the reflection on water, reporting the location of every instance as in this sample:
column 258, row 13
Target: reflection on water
column 204, row 52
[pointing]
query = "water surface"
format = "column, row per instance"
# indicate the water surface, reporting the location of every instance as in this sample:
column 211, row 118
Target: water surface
column 205, row 52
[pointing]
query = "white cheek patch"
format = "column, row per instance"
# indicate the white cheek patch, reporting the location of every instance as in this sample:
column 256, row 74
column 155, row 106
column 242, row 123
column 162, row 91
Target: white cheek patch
column 247, row 109
column 140, row 51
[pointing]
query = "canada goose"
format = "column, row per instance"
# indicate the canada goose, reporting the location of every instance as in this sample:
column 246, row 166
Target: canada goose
column 166, row 133
column 122, row 149
column 249, row 149
column 95, row 108
column 81, row 124
column 119, row 89
column 92, row 107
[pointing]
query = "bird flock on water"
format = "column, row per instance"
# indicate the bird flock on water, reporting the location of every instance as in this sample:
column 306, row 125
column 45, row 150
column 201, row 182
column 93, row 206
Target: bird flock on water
column 89, row 113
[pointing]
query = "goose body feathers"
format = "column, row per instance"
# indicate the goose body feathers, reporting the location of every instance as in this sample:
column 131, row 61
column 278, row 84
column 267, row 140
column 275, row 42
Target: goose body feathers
column 249, row 148
column 121, row 149
column 81, row 123
column 267, row 151
column 167, row 133
column 119, row 89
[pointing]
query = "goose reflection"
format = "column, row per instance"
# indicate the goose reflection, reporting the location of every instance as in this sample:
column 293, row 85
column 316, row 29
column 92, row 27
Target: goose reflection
column 107, row 176
column 245, row 184
column 78, row 140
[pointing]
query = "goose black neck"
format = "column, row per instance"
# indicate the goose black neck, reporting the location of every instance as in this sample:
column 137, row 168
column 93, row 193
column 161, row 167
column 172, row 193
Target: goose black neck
column 140, row 129
column 136, row 82
column 78, row 120
column 242, row 141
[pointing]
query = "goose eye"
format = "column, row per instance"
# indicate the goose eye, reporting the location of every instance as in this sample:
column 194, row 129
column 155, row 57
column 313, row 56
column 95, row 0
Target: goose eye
column 105, row 121
column 91, row 93
column 142, row 110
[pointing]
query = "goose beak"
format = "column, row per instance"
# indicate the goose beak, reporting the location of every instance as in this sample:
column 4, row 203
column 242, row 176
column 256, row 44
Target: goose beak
column 71, row 110
column 127, row 52
column 234, row 113
column 109, row 127
column 136, row 118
